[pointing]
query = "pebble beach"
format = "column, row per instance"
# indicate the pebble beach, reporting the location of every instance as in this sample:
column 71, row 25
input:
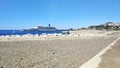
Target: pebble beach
column 51, row 52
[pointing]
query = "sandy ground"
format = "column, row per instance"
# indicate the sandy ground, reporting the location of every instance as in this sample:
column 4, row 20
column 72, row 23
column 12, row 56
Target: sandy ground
column 70, row 52
column 111, row 59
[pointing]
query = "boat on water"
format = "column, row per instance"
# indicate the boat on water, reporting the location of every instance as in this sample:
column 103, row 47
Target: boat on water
column 35, row 30
column 41, row 28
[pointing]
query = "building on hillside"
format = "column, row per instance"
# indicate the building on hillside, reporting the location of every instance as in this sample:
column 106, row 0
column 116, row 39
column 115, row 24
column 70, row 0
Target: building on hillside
column 111, row 24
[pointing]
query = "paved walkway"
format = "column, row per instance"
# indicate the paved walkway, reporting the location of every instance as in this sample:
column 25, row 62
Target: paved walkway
column 111, row 59
column 105, row 58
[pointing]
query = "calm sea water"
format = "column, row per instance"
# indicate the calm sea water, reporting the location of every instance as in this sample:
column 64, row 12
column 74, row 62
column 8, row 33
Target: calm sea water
column 18, row 32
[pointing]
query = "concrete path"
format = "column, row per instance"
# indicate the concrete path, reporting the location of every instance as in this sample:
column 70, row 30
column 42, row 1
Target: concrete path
column 94, row 62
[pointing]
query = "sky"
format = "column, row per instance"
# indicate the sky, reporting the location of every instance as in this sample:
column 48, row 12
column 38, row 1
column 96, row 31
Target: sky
column 62, row 14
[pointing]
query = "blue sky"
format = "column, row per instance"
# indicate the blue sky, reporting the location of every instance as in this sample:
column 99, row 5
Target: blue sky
column 19, row 14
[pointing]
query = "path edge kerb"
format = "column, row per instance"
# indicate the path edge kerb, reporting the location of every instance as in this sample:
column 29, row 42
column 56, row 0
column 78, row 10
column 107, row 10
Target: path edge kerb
column 94, row 62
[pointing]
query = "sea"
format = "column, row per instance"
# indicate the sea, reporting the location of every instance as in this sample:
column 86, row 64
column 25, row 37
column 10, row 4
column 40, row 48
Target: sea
column 19, row 32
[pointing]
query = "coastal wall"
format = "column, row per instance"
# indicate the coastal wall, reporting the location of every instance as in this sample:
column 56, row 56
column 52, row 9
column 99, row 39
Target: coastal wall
column 93, row 33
